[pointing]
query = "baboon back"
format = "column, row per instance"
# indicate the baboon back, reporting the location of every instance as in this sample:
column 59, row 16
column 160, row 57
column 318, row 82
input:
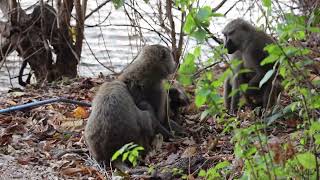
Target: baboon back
column 115, row 120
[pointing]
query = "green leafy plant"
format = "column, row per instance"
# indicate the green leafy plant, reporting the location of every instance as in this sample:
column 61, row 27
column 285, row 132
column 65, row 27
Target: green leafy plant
column 214, row 172
column 129, row 152
column 252, row 143
column 198, row 20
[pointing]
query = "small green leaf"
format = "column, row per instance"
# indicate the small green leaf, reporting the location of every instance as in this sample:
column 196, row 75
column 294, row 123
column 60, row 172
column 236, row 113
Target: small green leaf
column 283, row 71
column 202, row 173
column 187, row 69
column 201, row 97
column 204, row 14
column 115, row 155
column 244, row 87
column 222, row 165
column 139, row 148
column 120, row 151
column 197, row 52
column 135, row 153
column 315, row 126
column 131, row 158
column 217, row 15
column 307, row 160
column 270, row 59
column 199, row 34
column 190, row 24
column 125, row 155
column 317, row 139
column 266, row 3
column 266, row 77
column 200, row 100
column 118, row 3
column 314, row 29
column 185, row 79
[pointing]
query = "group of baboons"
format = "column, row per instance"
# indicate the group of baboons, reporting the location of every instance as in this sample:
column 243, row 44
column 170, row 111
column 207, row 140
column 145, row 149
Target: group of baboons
column 134, row 108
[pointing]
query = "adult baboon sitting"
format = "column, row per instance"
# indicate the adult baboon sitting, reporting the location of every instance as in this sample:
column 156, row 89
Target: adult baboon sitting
column 246, row 43
column 145, row 75
column 116, row 120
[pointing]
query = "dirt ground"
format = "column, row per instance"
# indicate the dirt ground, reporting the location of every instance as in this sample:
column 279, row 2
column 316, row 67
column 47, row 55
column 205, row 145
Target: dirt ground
column 46, row 142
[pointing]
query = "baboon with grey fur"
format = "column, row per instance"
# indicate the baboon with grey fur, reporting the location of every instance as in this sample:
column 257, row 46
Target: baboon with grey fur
column 177, row 98
column 116, row 120
column 144, row 78
column 246, row 43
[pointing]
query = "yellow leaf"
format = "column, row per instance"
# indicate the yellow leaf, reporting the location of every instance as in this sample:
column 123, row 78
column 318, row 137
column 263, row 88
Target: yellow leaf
column 80, row 113
column 11, row 102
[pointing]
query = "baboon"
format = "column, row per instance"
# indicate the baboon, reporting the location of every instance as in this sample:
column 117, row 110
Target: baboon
column 177, row 99
column 116, row 120
column 46, row 14
column 145, row 75
column 20, row 79
column 246, row 43
column 42, row 18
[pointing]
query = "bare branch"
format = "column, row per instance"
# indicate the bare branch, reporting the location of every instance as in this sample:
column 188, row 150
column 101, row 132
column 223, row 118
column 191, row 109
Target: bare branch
column 97, row 9
column 219, row 6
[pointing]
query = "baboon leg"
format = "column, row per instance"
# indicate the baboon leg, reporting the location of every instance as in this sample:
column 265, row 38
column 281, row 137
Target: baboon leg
column 20, row 80
column 226, row 92
column 276, row 89
column 235, row 98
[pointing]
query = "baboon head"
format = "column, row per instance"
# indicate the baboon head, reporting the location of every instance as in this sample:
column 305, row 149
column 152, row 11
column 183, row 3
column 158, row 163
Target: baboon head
column 237, row 34
column 159, row 59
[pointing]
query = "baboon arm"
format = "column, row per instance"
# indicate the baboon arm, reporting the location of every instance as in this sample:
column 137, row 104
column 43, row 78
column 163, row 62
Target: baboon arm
column 162, row 130
column 254, row 82
column 235, row 98
column 253, row 60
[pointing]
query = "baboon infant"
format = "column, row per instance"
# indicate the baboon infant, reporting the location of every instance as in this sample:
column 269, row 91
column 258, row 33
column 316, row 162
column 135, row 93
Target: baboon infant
column 116, row 120
column 177, row 98
column 145, row 75
column 246, row 43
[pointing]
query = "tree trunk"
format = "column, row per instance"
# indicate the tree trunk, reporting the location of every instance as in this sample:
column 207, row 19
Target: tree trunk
column 31, row 36
column 67, row 58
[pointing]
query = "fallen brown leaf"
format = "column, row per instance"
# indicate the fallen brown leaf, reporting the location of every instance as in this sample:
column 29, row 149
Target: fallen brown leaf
column 189, row 152
column 72, row 171
column 15, row 129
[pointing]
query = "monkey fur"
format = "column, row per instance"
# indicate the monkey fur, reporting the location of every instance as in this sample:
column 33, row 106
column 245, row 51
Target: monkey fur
column 177, row 98
column 246, row 43
column 20, row 79
column 116, row 120
column 144, row 78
